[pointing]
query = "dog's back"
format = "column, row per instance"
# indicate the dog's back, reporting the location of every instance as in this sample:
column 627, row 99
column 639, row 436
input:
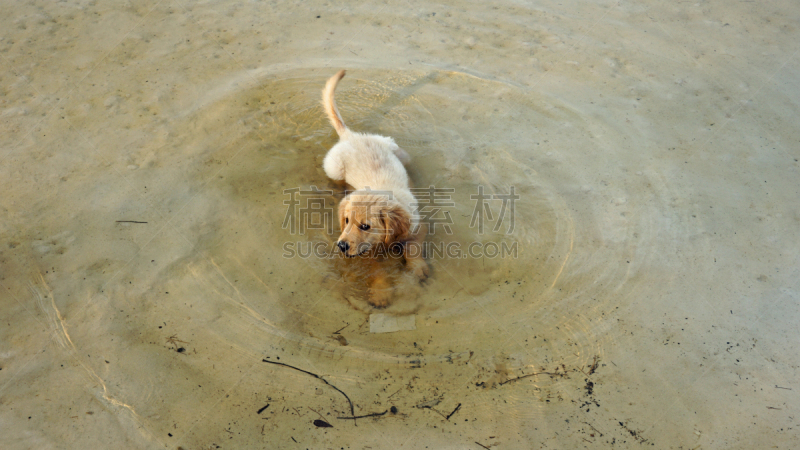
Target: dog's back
column 361, row 159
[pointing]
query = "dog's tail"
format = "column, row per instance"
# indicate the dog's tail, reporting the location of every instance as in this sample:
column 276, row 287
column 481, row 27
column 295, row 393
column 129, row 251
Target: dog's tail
column 330, row 105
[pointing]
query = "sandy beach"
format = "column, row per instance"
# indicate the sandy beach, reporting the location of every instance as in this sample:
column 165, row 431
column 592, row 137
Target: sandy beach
column 615, row 261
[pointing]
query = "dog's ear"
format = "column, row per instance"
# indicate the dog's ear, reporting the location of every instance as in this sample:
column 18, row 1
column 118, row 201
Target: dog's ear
column 396, row 223
column 342, row 209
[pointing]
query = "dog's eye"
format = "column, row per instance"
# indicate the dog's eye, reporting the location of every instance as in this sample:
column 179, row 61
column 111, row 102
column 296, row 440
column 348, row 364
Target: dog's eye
column 363, row 227
column 346, row 220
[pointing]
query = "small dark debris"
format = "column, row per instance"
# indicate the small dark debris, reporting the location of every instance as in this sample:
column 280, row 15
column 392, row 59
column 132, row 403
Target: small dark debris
column 262, row 409
column 393, row 409
column 181, row 350
column 593, row 367
column 319, row 423
column 454, row 411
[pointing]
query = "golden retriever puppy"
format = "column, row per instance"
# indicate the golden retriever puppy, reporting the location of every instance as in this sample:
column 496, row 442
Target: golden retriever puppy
column 380, row 211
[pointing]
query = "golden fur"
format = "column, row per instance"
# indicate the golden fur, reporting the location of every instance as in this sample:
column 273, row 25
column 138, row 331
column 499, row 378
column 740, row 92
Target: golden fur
column 379, row 212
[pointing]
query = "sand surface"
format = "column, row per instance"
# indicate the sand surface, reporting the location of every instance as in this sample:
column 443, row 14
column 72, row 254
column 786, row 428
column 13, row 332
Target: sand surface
column 641, row 287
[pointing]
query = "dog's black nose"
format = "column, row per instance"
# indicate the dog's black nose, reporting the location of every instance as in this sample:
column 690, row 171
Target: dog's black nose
column 343, row 246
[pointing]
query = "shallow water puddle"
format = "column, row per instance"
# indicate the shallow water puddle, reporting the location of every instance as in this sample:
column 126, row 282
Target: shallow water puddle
column 533, row 255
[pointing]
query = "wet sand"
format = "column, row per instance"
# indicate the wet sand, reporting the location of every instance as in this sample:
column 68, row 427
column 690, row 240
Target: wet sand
column 154, row 270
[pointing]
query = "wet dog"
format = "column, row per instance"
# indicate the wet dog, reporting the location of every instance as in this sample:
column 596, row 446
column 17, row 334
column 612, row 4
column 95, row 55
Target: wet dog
column 379, row 213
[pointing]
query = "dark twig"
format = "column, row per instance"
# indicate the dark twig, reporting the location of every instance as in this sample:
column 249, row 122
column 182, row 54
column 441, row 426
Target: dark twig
column 434, row 410
column 552, row 374
column 320, row 415
column 365, row 415
column 593, row 367
column 781, row 387
column 454, row 411
column 340, row 329
column 487, row 448
column 395, row 392
column 129, row 221
column 595, row 429
column 352, row 410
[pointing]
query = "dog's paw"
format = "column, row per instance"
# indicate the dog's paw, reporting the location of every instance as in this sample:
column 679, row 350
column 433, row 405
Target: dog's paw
column 420, row 268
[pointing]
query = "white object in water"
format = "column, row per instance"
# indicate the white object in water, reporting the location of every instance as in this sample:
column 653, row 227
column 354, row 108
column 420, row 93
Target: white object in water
column 385, row 323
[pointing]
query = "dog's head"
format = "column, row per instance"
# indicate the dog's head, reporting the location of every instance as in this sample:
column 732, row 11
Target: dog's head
column 370, row 219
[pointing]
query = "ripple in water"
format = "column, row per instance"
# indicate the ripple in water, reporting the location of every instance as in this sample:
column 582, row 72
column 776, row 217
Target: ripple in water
column 584, row 240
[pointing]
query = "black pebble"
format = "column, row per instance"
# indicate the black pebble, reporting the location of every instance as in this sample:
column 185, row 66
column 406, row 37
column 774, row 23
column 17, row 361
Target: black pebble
column 322, row 424
column 393, row 409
